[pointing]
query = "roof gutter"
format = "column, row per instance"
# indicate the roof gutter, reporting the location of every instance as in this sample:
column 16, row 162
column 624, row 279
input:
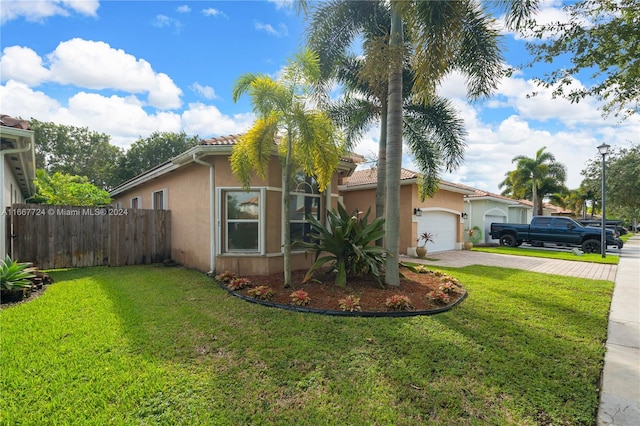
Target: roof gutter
column 212, row 223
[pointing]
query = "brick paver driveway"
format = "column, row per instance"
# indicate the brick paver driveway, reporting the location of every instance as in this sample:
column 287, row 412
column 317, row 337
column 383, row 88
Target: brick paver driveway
column 460, row 258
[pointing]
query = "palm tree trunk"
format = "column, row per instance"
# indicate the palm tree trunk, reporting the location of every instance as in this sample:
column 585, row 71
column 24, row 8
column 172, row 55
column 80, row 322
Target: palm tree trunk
column 534, row 197
column 381, row 192
column 286, row 210
column 394, row 150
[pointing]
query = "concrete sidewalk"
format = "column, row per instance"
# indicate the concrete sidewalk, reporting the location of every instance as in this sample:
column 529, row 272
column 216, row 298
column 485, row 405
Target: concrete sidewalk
column 620, row 384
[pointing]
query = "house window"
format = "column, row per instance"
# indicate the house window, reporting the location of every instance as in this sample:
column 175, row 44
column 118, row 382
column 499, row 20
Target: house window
column 305, row 201
column 159, row 200
column 136, row 203
column 242, row 216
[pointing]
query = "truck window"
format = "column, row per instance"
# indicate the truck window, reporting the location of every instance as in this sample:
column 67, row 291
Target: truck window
column 543, row 221
column 563, row 223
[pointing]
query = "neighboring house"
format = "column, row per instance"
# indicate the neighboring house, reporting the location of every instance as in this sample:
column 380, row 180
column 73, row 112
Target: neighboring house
column 215, row 224
column 440, row 215
column 17, row 168
column 483, row 208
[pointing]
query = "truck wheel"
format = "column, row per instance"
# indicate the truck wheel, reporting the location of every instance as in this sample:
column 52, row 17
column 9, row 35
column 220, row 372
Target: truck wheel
column 508, row 240
column 518, row 243
column 591, row 246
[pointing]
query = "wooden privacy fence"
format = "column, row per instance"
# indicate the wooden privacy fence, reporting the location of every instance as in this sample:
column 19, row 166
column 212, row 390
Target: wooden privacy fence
column 71, row 236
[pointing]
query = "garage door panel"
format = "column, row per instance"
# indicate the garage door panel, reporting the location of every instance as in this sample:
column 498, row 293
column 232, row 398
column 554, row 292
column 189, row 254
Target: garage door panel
column 443, row 226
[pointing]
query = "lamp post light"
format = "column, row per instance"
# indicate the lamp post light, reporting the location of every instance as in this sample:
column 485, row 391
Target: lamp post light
column 603, row 149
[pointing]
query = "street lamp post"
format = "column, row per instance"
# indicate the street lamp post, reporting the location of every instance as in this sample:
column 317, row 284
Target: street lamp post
column 603, row 149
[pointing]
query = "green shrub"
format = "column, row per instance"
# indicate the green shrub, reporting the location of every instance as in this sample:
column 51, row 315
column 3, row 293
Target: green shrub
column 349, row 242
column 14, row 275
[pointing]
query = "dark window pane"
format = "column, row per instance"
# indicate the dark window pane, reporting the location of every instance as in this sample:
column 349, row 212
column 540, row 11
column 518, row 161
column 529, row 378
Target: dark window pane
column 242, row 236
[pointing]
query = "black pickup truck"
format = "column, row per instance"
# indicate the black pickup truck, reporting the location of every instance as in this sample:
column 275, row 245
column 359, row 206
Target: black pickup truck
column 555, row 230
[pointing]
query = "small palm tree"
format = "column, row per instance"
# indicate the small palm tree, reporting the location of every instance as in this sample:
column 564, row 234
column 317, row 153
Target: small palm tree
column 536, row 177
column 303, row 136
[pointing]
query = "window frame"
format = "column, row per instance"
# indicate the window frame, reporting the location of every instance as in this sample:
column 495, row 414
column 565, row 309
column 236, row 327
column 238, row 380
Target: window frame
column 223, row 221
column 314, row 194
column 165, row 200
column 137, row 200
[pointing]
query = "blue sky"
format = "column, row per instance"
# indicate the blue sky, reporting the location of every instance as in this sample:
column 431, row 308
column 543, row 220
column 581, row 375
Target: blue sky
column 130, row 68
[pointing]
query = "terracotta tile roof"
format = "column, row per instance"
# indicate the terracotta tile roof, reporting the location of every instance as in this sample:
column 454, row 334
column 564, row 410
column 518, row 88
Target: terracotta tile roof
column 480, row 193
column 17, row 123
column 370, row 177
column 231, row 140
column 222, row 140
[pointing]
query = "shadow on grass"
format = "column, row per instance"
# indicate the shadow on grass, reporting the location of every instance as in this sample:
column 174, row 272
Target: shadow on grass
column 523, row 348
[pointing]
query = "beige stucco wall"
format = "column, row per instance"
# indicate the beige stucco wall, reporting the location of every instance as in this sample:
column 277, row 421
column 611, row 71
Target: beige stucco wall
column 449, row 201
column 188, row 198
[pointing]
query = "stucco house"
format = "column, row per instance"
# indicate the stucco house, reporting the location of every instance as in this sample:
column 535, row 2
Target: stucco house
column 440, row 215
column 215, row 224
column 482, row 208
column 17, row 168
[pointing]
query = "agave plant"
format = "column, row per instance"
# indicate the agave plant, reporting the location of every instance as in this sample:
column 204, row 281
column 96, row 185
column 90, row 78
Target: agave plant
column 14, row 275
column 348, row 242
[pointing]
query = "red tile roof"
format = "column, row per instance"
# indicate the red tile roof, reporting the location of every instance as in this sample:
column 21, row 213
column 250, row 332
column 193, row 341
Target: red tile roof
column 370, row 177
column 17, row 123
column 222, row 140
column 231, row 140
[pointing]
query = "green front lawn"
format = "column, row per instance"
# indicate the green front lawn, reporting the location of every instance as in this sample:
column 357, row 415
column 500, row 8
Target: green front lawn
column 551, row 254
column 157, row 345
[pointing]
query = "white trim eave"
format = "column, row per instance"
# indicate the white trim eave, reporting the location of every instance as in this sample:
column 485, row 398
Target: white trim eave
column 444, row 186
column 490, row 198
column 201, row 151
column 26, row 154
column 145, row 177
column 452, row 188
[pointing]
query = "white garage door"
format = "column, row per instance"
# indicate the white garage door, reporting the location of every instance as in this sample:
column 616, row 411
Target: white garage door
column 443, row 226
column 488, row 220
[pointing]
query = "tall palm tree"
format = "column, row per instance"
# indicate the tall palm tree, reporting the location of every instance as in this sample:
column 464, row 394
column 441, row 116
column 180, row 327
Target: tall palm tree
column 543, row 175
column 306, row 137
column 442, row 36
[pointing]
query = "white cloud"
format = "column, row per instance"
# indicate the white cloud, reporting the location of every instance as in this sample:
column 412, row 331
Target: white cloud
column 38, row 11
column 19, row 100
column 207, row 121
column 183, row 9
column 213, row 12
column 281, row 31
column 163, row 21
column 206, row 92
column 124, row 119
column 96, row 65
column 22, row 64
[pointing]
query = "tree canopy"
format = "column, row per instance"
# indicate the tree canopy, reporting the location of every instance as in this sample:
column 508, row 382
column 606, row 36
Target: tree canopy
column 602, row 38
column 65, row 189
column 146, row 153
column 76, row 151
column 623, row 193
